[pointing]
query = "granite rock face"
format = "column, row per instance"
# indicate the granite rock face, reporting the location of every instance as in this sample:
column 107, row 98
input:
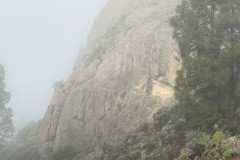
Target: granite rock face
column 232, row 144
column 126, row 75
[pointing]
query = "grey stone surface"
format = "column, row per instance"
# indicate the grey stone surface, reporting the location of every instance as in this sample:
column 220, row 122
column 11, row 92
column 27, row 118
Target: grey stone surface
column 126, row 75
column 232, row 144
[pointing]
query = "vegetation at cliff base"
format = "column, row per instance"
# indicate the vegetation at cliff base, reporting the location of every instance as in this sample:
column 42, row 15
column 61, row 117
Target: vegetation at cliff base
column 207, row 90
column 6, row 125
column 24, row 146
column 208, row 86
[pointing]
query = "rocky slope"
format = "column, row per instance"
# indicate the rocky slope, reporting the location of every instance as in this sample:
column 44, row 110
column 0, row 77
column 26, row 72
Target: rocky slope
column 127, row 74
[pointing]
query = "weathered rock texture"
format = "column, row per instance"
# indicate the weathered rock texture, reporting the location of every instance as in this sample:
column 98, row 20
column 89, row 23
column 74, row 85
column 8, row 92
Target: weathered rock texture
column 127, row 74
column 232, row 144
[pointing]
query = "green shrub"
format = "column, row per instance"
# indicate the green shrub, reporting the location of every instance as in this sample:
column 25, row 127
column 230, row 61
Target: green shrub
column 156, row 155
column 213, row 153
column 170, row 138
column 201, row 141
column 149, row 147
column 24, row 146
column 229, row 154
column 191, row 134
column 183, row 157
column 135, row 155
column 215, row 150
column 209, row 147
column 238, row 111
column 172, row 151
column 144, row 127
column 218, row 137
column 65, row 153
column 161, row 118
column 58, row 85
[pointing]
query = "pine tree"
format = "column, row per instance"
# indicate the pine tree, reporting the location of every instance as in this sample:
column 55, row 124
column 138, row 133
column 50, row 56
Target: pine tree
column 6, row 125
column 229, row 28
column 207, row 33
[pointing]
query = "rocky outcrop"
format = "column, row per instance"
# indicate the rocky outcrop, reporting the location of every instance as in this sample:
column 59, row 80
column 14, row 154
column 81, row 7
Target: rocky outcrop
column 126, row 75
column 232, row 144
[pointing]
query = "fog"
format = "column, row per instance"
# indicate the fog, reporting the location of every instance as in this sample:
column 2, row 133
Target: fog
column 39, row 43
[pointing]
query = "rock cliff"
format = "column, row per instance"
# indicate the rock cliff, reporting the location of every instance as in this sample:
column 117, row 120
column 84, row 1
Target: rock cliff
column 127, row 74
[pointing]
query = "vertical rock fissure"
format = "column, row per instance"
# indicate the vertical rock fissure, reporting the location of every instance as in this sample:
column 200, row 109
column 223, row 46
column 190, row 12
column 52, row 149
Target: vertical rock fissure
column 59, row 116
column 50, row 124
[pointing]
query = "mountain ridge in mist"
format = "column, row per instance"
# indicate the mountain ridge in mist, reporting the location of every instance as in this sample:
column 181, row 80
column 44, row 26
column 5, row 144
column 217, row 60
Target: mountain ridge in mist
column 127, row 74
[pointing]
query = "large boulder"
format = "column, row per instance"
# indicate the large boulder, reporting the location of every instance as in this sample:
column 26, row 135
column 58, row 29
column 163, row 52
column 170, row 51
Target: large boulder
column 232, row 144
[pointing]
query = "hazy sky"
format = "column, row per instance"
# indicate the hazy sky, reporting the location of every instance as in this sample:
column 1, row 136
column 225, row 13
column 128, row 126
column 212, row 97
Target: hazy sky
column 39, row 43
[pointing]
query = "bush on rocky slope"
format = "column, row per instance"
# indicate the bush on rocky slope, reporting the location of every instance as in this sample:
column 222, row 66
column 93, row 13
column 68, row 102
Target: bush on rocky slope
column 24, row 146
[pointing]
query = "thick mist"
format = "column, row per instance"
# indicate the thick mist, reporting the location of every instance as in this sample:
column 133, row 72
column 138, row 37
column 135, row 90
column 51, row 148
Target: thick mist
column 39, row 43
